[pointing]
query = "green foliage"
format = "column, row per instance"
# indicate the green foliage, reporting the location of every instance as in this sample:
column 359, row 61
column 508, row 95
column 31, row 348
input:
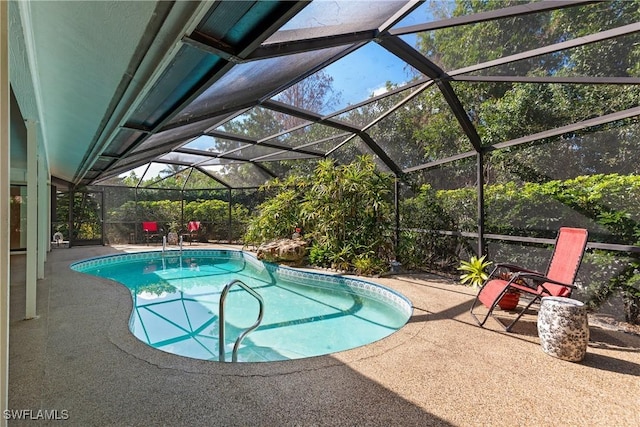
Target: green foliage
column 610, row 273
column 346, row 212
column 278, row 218
column 504, row 111
column 419, row 249
column 212, row 213
column 475, row 270
column 538, row 209
column 86, row 216
column 367, row 264
column 606, row 204
column 319, row 255
column 206, row 210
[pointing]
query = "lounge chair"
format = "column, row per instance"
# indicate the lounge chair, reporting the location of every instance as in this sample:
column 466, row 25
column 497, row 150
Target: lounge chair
column 193, row 230
column 557, row 281
column 150, row 229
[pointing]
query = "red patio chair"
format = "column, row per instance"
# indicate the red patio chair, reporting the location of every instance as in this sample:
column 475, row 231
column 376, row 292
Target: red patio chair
column 558, row 280
column 150, row 229
column 193, row 228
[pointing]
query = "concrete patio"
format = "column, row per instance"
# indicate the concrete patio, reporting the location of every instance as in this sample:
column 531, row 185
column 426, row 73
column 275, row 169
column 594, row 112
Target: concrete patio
column 79, row 358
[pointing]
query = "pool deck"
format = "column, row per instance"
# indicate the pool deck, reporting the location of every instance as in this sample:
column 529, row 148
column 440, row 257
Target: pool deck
column 79, row 358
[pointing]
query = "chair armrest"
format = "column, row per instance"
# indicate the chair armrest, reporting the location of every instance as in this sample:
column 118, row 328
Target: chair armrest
column 540, row 278
column 516, row 268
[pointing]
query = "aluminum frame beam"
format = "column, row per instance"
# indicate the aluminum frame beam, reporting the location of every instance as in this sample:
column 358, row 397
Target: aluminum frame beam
column 418, row 61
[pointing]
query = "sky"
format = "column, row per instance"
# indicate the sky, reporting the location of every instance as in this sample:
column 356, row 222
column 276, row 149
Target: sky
column 365, row 72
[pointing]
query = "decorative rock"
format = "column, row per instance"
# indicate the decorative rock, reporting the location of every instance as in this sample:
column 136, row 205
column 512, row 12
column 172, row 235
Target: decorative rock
column 286, row 251
column 563, row 328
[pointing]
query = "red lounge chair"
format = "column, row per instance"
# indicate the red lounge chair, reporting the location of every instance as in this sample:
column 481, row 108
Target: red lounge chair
column 558, row 281
column 150, row 229
column 193, row 228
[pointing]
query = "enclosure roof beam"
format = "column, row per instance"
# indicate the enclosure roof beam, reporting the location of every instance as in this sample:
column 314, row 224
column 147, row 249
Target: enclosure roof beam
column 213, row 177
column 393, row 109
column 569, row 44
column 613, row 117
column 380, row 153
column 443, row 161
column 404, row 51
column 308, row 115
column 381, row 96
column 550, row 79
column 252, row 141
column 289, row 47
column 298, row 112
column 507, row 12
column 596, row 121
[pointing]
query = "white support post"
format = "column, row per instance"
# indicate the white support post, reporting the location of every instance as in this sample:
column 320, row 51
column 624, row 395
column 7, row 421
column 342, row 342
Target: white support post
column 32, row 218
column 48, row 214
column 5, row 194
column 44, row 232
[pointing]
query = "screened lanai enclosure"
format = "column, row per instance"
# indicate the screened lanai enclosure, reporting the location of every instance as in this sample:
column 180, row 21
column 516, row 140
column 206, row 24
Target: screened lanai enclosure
column 497, row 122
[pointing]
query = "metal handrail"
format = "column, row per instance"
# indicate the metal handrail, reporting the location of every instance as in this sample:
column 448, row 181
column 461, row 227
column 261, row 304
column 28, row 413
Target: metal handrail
column 223, row 297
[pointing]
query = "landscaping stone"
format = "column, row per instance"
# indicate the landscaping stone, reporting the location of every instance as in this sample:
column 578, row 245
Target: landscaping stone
column 285, row 251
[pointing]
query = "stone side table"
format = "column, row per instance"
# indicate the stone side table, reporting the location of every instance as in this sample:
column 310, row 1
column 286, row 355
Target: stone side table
column 563, row 328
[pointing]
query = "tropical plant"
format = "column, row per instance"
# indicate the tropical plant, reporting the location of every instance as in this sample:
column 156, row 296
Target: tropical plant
column 346, row 212
column 277, row 218
column 475, row 271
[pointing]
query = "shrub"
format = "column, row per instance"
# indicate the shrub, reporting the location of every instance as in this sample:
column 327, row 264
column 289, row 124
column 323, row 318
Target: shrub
column 346, row 213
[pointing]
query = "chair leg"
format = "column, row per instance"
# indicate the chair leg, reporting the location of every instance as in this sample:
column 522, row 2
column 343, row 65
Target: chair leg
column 475, row 301
column 520, row 314
column 493, row 306
column 473, row 305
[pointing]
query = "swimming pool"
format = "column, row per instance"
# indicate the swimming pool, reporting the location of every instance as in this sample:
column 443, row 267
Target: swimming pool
column 176, row 299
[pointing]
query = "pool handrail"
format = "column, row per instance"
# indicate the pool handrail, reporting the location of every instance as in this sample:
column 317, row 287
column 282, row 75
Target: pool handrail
column 223, row 297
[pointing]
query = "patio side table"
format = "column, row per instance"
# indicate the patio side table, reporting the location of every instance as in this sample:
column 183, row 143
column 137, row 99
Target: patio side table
column 563, row 328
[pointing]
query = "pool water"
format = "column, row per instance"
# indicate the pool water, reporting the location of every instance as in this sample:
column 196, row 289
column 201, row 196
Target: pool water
column 176, row 301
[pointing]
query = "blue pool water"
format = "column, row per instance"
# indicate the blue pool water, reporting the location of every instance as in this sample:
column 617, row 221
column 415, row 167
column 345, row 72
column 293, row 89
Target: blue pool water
column 176, row 299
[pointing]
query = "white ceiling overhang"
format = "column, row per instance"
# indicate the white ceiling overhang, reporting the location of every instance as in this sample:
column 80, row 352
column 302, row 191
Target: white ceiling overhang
column 77, row 66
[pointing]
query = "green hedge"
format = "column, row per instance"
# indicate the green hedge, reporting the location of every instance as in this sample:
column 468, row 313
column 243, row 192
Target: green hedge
column 213, row 215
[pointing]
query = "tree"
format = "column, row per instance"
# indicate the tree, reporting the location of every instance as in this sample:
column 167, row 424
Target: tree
column 315, row 93
column 505, row 111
